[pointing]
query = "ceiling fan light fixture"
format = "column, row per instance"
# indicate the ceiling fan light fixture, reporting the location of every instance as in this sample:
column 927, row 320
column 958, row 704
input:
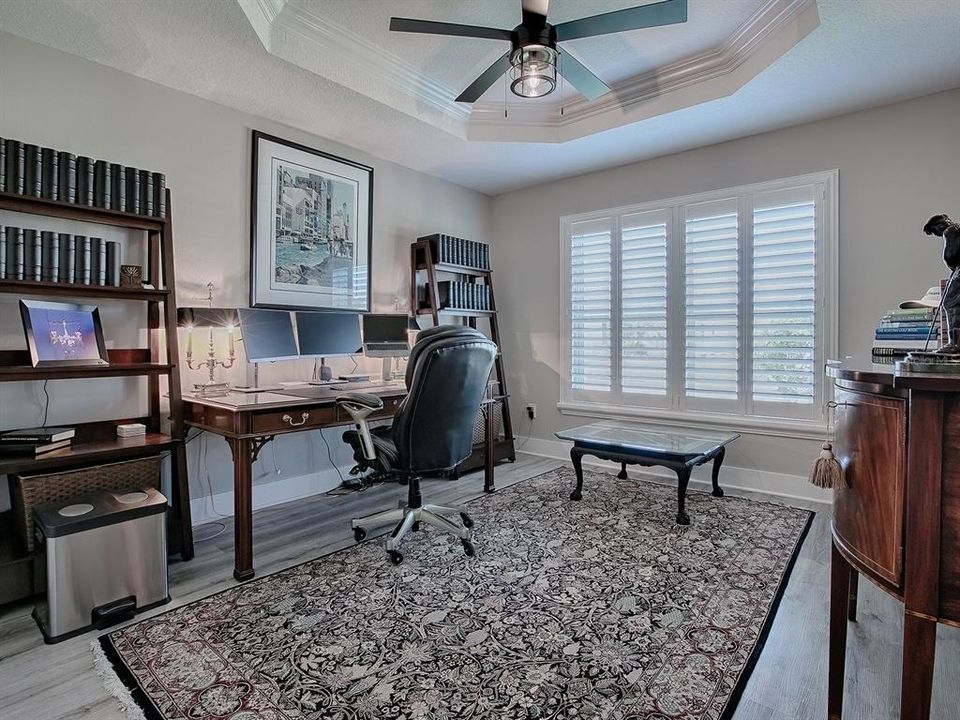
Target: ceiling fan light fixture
column 533, row 71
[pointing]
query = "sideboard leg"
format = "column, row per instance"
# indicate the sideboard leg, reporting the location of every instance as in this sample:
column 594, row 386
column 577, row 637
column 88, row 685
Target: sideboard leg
column 839, row 598
column 852, row 595
column 919, row 649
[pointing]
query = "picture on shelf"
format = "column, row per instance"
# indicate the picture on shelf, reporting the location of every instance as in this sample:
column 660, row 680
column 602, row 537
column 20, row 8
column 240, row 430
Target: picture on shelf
column 311, row 230
column 63, row 334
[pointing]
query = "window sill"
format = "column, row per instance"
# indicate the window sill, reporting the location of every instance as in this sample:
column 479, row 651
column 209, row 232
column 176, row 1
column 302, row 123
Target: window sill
column 769, row 427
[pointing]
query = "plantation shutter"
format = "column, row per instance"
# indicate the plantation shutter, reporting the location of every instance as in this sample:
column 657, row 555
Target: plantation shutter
column 711, row 297
column 643, row 308
column 591, row 305
column 784, row 296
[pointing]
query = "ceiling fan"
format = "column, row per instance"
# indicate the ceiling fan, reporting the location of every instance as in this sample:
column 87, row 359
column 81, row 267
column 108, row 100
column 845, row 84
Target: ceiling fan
column 532, row 58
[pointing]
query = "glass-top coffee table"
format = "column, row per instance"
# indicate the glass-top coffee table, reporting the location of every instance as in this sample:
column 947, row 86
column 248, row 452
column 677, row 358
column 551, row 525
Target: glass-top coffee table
column 678, row 448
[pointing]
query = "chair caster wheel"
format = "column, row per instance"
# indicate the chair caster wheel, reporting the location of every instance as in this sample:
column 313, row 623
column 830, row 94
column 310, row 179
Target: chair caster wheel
column 467, row 520
column 468, row 548
column 575, row 495
column 395, row 557
column 359, row 534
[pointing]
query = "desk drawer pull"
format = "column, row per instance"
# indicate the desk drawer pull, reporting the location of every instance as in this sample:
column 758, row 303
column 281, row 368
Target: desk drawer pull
column 289, row 420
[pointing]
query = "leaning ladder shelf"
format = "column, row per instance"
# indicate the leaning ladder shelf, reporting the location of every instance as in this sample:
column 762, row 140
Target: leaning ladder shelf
column 428, row 303
column 97, row 442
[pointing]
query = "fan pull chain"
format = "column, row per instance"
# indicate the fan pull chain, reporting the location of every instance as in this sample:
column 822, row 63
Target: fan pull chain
column 506, row 80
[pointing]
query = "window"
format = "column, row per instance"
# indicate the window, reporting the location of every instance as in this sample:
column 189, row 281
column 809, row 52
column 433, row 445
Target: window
column 719, row 304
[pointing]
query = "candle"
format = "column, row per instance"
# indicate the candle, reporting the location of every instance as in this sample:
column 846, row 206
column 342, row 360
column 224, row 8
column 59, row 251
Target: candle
column 190, row 341
column 230, row 339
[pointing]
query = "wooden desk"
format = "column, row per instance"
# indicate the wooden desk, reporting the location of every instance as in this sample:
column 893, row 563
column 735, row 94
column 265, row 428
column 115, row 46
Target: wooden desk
column 249, row 421
column 898, row 522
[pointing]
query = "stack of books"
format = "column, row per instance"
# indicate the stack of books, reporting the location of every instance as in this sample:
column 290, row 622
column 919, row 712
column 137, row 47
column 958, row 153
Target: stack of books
column 42, row 172
column 44, row 255
column 35, row 441
column 903, row 331
column 463, row 295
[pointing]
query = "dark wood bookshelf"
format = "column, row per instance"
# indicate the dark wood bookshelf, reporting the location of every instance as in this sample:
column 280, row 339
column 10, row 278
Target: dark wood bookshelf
column 83, row 213
column 423, row 274
column 96, row 442
column 106, row 292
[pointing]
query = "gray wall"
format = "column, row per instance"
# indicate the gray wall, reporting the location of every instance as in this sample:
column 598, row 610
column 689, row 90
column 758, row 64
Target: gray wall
column 54, row 99
column 897, row 166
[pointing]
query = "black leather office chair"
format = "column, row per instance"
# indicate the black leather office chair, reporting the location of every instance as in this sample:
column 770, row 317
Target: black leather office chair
column 432, row 430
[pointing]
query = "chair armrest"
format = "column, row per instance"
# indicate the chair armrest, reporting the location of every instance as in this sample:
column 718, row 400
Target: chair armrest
column 361, row 400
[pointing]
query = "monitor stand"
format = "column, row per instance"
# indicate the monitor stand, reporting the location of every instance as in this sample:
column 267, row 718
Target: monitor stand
column 388, row 369
column 321, row 371
column 255, row 386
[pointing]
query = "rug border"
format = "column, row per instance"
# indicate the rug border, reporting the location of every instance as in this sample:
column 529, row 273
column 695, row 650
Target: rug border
column 126, row 676
column 151, row 712
column 737, row 693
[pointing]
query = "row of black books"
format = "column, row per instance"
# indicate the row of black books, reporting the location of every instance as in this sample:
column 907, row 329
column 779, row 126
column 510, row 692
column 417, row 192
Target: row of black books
column 464, row 295
column 42, row 172
column 44, row 255
column 451, row 250
column 35, row 441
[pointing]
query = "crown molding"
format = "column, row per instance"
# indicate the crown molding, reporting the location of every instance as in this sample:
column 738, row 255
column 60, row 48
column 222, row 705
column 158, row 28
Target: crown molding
column 295, row 32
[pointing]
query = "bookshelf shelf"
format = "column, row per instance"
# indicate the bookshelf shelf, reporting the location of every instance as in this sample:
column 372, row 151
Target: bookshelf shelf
column 457, row 269
column 457, row 311
column 84, row 213
column 88, row 452
column 33, row 287
column 12, row 373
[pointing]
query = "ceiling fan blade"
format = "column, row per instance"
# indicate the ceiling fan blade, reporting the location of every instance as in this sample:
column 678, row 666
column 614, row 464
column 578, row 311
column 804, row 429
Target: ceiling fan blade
column 667, row 12
column 429, row 27
column 582, row 79
column 479, row 86
column 535, row 13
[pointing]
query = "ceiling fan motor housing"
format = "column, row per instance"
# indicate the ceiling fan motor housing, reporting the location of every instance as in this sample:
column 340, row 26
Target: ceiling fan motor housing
column 533, row 61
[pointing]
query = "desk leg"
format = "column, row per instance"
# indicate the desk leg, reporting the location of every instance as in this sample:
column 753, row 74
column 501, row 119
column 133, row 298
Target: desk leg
column 242, row 508
column 919, row 649
column 839, row 604
column 852, row 595
column 576, row 457
column 683, row 479
column 717, row 462
column 489, row 440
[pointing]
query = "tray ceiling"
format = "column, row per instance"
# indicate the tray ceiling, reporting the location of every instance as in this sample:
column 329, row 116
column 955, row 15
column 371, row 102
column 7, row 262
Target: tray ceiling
column 652, row 71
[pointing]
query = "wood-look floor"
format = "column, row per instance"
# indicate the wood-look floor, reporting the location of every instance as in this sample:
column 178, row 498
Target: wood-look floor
column 40, row 682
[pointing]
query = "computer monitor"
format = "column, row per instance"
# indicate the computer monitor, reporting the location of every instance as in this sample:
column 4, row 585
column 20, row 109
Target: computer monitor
column 328, row 334
column 267, row 335
column 385, row 336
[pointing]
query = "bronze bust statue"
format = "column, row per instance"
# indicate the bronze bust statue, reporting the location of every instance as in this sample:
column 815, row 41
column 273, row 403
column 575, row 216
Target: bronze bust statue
column 943, row 226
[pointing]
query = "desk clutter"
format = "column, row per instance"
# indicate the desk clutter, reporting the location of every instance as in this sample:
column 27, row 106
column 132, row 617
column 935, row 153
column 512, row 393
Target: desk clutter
column 912, row 327
column 47, row 256
column 42, row 172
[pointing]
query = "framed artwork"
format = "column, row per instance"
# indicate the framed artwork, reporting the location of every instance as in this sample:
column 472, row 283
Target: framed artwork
column 311, row 228
column 63, row 334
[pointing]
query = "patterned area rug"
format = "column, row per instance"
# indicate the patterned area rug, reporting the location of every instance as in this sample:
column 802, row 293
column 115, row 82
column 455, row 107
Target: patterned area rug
column 602, row 608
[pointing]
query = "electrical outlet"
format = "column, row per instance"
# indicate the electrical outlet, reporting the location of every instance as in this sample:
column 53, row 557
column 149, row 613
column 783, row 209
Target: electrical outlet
column 531, row 411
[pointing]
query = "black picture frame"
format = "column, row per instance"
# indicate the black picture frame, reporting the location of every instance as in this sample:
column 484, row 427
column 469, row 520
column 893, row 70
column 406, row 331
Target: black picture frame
column 38, row 348
column 265, row 233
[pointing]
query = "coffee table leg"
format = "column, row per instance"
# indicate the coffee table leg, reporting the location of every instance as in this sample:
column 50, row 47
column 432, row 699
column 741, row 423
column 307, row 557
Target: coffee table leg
column 683, row 477
column 717, row 462
column 575, row 457
column 623, row 471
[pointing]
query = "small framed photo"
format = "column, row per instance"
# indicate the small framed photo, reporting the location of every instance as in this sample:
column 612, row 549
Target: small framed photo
column 311, row 229
column 63, row 334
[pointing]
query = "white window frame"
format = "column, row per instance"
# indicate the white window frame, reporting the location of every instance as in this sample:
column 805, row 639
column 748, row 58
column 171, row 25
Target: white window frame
column 617, row 405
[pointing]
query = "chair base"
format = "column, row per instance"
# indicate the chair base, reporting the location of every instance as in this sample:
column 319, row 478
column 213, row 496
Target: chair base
column 406, row 518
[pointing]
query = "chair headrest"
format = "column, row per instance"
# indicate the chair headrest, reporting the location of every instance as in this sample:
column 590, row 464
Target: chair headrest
column 428, row 337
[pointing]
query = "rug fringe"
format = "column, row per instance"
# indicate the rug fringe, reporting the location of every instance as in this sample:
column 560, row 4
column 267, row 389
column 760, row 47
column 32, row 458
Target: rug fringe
column 113, row 684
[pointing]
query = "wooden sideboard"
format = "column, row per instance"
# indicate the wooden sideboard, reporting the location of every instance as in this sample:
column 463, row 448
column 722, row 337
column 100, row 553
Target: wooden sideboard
column 898, row 521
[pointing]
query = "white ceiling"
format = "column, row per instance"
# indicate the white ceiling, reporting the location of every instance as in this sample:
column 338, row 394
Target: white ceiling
column 863, row 54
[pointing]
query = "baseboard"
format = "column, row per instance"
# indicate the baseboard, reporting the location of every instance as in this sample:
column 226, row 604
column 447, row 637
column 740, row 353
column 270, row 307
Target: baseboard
column 208, row 508
column 780, row 485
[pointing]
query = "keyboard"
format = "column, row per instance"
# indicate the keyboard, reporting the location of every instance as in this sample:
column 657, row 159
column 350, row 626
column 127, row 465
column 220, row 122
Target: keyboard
column 366, row 385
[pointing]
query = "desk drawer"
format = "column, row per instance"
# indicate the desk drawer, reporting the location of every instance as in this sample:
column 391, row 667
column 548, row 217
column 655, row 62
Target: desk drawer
column 293, row 419
column 390, row 405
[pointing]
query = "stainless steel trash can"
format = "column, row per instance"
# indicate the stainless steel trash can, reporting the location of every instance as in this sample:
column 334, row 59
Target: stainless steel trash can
column 106, row 560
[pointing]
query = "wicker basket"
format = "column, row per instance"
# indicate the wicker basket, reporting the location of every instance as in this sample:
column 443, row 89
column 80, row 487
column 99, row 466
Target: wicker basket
column 32, row 490
column 479, row 435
